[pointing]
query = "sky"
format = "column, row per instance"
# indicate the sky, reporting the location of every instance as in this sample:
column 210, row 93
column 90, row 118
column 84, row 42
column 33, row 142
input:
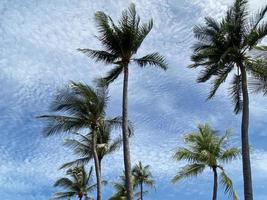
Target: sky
column 38, row 57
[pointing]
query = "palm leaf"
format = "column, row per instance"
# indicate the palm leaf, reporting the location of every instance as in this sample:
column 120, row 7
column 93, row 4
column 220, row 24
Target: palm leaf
column 189, row 171
column 228, row 185
column 154, row 59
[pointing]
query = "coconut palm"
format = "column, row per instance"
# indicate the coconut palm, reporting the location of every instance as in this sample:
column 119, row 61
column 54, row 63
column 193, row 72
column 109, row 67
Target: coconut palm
column 77, row 184
column 79, row 107
column 206, row 149
column 142, row 176
column 222, row 49
column 83, row 146
column 121, row 190
column 120, row 44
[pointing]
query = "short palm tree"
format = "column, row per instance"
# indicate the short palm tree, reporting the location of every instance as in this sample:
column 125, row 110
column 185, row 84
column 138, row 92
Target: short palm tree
column 79, row 107
column 79, row 184
column 222, row 49
column 142, row 176
column 206, row 149
column 83, row 146
column 121, row 190
column 120, row 44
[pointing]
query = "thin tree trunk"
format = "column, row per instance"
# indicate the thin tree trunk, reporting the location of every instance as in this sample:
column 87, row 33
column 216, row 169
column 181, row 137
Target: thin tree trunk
column 141, row 190
column 100, row 167
column 248, row 191
column 215, row 183
column 125, row 136
column 97, row 166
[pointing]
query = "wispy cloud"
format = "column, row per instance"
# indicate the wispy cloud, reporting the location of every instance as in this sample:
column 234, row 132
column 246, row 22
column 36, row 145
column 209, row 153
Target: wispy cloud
column 38, row 56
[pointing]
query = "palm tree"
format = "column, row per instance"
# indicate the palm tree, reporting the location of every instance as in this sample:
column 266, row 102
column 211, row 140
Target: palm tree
column 142, row 176
column 83, row 146
column 206, row 149
column 81, row 107
column 120, row 43
column 120, row 188
column 222, row 49
column 78, row 184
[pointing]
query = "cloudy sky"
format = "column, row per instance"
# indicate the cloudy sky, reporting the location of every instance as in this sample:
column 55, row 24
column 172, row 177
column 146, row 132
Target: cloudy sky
column 38, row 56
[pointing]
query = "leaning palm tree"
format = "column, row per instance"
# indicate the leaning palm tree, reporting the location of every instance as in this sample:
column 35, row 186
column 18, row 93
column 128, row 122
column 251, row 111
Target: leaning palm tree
column 83, row 146
column 206, row 149
column 120, row 44
column 142, row 176
column 80, row 107
column 79, row 184
column 222, row 49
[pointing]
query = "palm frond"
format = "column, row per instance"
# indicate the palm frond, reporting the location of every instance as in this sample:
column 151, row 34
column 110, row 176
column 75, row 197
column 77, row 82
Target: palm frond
column 221, row 78
column 111, row 76
column 230, row 154
column 236, row 93
column 258, row 72
column 116, row 122
column 64, row 182
column 189, row 171
column 63, row 195
column 59, row 123
column 154, row 59
column 77, row 162
column 100, row 56
column 228, row 186
column 186, row 154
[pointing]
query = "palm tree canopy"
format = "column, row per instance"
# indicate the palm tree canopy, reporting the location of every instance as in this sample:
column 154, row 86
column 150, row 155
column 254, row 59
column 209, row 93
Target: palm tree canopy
column 78, row 183
column 142, row 174
column 83, row 145
column 79, row 106
column 121, row 42
column 224, row 45
column 206, row 148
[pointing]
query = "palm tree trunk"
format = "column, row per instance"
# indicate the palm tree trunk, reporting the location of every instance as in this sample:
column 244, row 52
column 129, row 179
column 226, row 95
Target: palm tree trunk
column 248, row 192
column 215, row 183
column 100, row 167
column 97, row 166
column 125, row 136
column 141, row 190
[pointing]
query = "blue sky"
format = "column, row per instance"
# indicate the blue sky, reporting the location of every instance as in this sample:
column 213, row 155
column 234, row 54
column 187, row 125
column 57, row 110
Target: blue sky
column 38, row 56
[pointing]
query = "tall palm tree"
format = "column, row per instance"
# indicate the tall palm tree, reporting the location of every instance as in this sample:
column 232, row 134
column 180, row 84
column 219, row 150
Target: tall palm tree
column 83, row 146
column 142, row 176
column 78, row 184
column 79, row 107
column 206, row 149
column 222, row 49
column 120, row 44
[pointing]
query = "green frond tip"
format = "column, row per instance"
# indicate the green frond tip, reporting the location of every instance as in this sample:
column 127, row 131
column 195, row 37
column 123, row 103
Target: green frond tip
column 154, row 59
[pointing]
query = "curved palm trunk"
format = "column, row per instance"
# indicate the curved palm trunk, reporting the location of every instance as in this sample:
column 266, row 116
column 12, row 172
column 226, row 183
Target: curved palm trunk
column 97, row 166
column 125, row 136
column 248, row 192
column 215, row 183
